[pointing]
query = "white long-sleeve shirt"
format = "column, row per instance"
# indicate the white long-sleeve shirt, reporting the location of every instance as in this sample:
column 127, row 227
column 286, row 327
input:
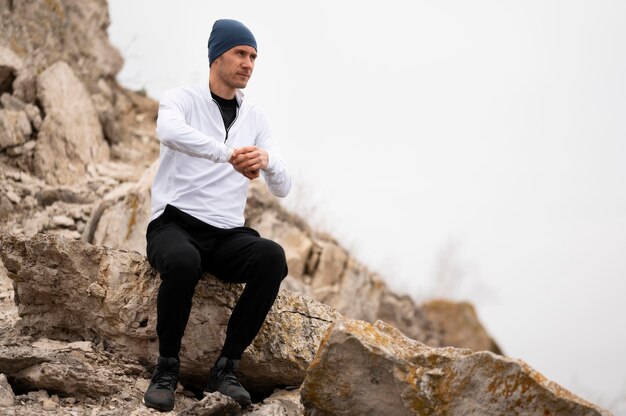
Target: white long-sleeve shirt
column 194, row 174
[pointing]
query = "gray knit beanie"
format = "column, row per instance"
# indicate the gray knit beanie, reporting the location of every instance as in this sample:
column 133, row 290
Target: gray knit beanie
column 227, row 34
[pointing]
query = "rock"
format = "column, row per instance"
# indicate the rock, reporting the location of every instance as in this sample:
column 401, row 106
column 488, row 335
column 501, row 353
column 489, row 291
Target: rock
column 7, row 398
column 364, row 369
column 15, row 128
column 56, row 297
column 25, row 85
column 11, row 102
column 71, row 30
column 63, row 221
column 280, row 403
column 121, row 219
column 69, row 368
column 71, row 136
column 458, row 325
column 6, row 207
column 213, row 404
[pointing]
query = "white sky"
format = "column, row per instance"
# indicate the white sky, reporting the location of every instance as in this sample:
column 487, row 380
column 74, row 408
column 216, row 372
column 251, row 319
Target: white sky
column 493, row 131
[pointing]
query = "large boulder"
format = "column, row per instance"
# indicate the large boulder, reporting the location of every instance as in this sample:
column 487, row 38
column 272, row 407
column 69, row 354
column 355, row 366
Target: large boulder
column 74, row 291
column 365, row 369
column 71, row 137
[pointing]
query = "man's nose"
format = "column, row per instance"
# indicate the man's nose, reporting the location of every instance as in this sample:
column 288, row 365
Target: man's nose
column 248, row 62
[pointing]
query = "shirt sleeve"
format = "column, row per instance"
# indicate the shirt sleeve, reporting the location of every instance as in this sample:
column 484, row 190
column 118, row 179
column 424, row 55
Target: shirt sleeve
column 276, row 174
column 174, row 132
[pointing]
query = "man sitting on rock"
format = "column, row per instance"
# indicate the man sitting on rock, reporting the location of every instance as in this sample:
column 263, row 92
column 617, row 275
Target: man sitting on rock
column 212, row 143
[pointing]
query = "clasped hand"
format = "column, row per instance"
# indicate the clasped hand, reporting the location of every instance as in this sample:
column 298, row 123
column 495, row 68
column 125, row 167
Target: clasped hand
column 249, row 160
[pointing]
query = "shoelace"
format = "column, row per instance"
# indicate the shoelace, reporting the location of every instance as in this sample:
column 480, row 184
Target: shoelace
column 229, row 377
column 165, row 380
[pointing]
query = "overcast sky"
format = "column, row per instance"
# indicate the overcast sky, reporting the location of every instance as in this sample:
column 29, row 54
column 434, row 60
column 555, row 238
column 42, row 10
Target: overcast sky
column 483, row 142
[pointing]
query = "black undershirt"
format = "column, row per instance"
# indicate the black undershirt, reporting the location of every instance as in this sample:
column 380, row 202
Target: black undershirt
column 228, row 109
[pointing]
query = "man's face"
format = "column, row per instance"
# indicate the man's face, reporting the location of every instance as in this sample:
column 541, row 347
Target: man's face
column 234, row 67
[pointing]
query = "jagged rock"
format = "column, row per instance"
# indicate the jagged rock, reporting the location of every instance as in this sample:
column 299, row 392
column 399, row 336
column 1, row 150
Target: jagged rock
column 72, row 290
column 7, row 398
column 214, row 404
column 11, row 102
column 280, row 403
column 66, row 368
column 121, row 219
column 458, row 325
column 365, row 369
column 15, row 128
column 71, row 136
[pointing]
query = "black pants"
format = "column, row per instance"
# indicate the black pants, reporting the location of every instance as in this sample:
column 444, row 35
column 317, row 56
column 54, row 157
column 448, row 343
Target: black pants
column 181, row 248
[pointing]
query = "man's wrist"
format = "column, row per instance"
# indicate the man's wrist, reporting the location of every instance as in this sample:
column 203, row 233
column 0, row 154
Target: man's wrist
column 229, row 153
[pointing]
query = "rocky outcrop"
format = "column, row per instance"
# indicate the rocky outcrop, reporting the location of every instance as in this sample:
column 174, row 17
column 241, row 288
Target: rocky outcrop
column 40, row 33
column 365, row 369
column 71, row 290
column 458, row 325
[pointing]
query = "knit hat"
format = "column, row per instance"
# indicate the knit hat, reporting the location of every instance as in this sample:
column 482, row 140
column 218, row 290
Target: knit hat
column 227, row 34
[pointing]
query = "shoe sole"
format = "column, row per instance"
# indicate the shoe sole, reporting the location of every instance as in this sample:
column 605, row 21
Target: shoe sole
column 161, row 409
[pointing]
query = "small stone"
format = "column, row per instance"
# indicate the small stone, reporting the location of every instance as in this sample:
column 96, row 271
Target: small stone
column 142, row 384
column 69, row 401
column 6, row 207
column 49, row 404
column 96, row 290
column 13, row 197
column 38, row 396
column 15, row 151
column 63, row 221
column 126, row 396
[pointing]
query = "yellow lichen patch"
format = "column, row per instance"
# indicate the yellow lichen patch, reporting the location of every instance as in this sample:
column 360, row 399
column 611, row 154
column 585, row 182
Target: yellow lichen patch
column 411, row 392
column 56, row 7
column 133, row 202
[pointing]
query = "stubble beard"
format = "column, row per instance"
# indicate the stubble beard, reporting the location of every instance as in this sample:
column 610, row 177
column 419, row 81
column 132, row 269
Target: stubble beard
column 232, row 82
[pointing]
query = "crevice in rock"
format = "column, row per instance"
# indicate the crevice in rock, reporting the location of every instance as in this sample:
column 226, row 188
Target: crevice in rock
column 308, row 316
column 7, row 76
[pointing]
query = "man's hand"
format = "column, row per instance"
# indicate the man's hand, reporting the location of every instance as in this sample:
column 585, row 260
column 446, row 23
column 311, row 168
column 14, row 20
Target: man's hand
column 249, row 160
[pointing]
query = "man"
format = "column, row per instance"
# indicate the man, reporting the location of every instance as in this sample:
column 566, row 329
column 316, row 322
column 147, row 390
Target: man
column 212, row 144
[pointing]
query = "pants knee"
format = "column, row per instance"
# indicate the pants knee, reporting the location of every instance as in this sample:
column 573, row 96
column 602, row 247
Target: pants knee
column 183, row 266
column 272, row 256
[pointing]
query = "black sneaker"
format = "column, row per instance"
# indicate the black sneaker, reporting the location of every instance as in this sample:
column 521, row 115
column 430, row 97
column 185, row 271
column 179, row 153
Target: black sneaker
column 161, row 391
column 224, row 380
